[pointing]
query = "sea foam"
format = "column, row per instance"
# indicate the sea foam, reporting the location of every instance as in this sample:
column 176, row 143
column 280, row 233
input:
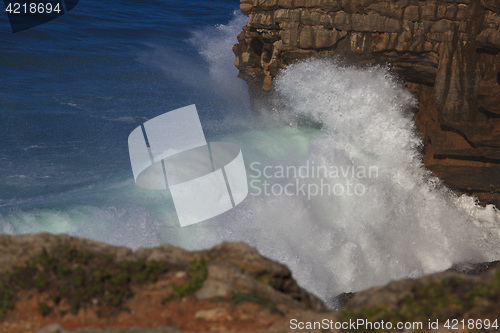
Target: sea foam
column 406, row 223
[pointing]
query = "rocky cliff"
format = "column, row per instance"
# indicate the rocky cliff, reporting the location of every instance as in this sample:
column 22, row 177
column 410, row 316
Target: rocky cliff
column 62, row 284
column 447, row 52
column 80, row 283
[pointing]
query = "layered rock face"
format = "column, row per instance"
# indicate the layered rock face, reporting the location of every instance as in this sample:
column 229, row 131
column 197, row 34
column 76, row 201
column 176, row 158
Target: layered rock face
column 447, row 52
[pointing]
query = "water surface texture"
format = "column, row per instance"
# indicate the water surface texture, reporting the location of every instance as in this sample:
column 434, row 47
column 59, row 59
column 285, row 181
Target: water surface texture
column 73, row 89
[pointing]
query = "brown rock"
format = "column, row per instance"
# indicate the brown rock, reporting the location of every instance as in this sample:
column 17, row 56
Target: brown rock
column 243, row 291
column 448, row 52
column 213, row 314
column 244, row 271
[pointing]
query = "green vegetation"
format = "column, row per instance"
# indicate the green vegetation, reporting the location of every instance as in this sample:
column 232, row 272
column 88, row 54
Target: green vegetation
column 238, row 298
column 196, row 276
column 79, row 278
column 6, row 298
column 446, row 299
column 261, row 279
column 80, row 256
column 44, row 309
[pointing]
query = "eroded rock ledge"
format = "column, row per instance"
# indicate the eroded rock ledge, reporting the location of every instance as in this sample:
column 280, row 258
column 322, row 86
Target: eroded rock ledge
column 63, row 284
column 448, row 53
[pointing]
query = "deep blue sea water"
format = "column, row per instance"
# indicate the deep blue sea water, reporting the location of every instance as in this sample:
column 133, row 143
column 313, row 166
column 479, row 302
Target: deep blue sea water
column 73, row 89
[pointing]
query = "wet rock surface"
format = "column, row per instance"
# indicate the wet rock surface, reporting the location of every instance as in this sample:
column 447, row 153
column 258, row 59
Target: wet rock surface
column 447, row 52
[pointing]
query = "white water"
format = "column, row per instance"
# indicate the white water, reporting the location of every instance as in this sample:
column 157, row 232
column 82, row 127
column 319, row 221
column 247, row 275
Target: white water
column 405, row 225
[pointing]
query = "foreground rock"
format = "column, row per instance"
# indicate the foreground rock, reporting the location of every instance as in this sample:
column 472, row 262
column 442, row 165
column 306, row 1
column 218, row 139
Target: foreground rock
column 61, row 284
column 80, row 283
column 446, row 51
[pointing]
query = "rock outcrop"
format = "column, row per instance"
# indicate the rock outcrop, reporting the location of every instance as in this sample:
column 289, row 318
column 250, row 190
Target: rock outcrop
column 447, row 52
column 79, row 283
column 63, row 284
column 440, row 297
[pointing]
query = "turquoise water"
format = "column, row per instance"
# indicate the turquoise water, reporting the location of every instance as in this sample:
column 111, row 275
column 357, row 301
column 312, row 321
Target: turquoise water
column 74, row 88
